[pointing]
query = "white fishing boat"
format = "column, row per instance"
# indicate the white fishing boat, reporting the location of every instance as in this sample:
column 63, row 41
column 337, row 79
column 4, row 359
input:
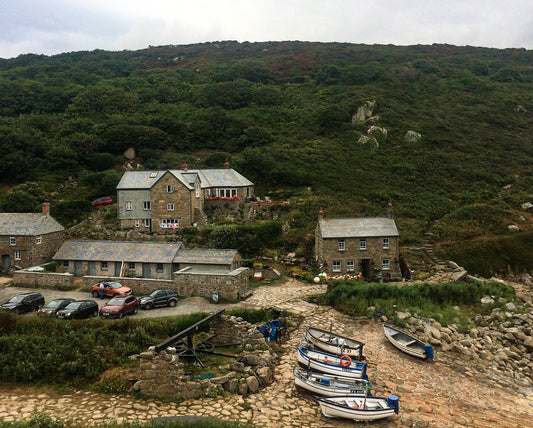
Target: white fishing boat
column 359, row 407
column 408, row 343
column 322, row 384
column 334, row 343
column 337, row 365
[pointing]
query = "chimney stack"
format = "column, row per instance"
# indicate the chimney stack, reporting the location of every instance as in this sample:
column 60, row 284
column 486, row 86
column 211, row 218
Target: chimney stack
column 46, row 208
column 226, row 164
column 184, row 165
column 320, row 214
column 389, row 211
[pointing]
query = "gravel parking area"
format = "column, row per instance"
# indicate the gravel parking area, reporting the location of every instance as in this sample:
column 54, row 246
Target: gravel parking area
column 185, row 306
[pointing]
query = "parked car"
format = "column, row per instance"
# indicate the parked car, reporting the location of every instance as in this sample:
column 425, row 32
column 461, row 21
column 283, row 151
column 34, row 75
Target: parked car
column 111, row 289
column 52, row 307
column 24, row 302
column 106, row 200
column 160, row 297
column 78, row 309
column 119, row 306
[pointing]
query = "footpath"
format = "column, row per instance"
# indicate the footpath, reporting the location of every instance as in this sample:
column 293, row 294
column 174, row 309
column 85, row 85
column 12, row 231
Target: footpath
column 445, row 393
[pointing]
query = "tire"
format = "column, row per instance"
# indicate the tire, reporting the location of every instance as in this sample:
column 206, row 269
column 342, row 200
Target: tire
column 149, row 306
column 96, row 294
column 19, row 311
column 121, row 315
column 95, row 314
column 39, row 305
column 135, row 309
column 172, row 303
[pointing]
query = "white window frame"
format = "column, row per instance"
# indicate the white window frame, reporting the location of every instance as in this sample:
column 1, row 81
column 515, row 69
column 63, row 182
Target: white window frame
column 166, row 223
column 362, row 244
column 146, row 222
column 170, row 206
column 336, row 266
column 103, row 265
column 131, row 266
column 12, row 240
column 341, row 245
column 65, row 264
column 227, row 192
column 137, row 223
column 350, row 265
column 170, row 188
column 39, row 240
column 386, row 243
column 197, row 186
column 128, row 205
column 147, row 205
column 18, row 255
column 385, row 264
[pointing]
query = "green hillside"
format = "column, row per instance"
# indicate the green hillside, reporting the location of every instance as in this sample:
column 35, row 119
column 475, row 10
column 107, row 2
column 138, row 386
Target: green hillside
column 282, row 113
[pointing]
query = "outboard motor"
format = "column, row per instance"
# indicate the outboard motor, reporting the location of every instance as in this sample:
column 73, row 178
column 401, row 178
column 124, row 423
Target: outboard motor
column 429, row 351
column 394, row 402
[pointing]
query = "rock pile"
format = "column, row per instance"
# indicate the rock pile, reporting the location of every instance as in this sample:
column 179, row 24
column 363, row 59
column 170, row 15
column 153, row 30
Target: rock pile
column 501, row 342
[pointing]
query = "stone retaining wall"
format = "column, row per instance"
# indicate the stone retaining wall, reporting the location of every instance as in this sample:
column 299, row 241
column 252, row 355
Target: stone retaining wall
column 162, row 374
column 233, row 285
column 230, row 286
column 23, row 278
column 230, row 329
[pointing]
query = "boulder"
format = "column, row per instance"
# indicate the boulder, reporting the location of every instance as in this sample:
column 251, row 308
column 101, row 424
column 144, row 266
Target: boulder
column 370, row 141
column 412, row 136
column 528, row 343
column 377, row 130
column 527, row 205
column 252, row 384
column 364, row 112
column 129, row 153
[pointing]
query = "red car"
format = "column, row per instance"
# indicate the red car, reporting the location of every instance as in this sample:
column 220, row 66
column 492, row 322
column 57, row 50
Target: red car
column 102, row 201
column 111, row 289
column 119, row 306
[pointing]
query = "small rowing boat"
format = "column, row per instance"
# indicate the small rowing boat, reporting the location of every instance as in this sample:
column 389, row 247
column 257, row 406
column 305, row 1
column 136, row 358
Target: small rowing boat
column 337, row 365
column 408, row 343
column 321, row 384
column 359, row 407
column 334, row 343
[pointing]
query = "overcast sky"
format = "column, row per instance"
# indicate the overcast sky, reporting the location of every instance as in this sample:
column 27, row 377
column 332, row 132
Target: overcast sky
column 55, row 26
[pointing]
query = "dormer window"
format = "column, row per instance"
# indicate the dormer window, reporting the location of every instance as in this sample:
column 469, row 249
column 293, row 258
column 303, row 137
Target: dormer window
column 153, row 174
column 362, row 244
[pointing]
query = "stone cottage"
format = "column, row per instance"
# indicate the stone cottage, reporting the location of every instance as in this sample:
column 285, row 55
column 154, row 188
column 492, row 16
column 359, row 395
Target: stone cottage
column 368, row 246
column 28, row 239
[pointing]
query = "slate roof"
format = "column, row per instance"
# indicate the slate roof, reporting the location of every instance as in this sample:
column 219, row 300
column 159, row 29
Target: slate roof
column 357, row 227
column 225, row 177
column 28, row 224
column 118, row 251
column 209, row 256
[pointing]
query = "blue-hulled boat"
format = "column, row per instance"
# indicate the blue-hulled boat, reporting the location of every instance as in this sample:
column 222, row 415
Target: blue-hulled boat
column 337, row 365
column 322, row 384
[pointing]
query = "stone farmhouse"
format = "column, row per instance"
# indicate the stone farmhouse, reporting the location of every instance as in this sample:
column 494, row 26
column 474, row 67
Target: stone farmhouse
column 141, row 259
column 28, row 239
column 365, row 246
column 163, row 201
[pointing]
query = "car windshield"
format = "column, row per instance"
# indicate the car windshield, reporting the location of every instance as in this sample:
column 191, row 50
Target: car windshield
column 73, row 305
column 16, row 299
column 53, row 304
column 114, row 285
column 115, row 302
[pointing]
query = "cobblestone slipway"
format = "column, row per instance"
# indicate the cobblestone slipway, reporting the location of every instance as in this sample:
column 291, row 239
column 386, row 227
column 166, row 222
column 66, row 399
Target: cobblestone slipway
column 439, row 394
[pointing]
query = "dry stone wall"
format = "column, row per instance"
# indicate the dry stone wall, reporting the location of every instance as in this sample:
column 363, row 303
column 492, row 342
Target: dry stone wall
column 162, row 374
